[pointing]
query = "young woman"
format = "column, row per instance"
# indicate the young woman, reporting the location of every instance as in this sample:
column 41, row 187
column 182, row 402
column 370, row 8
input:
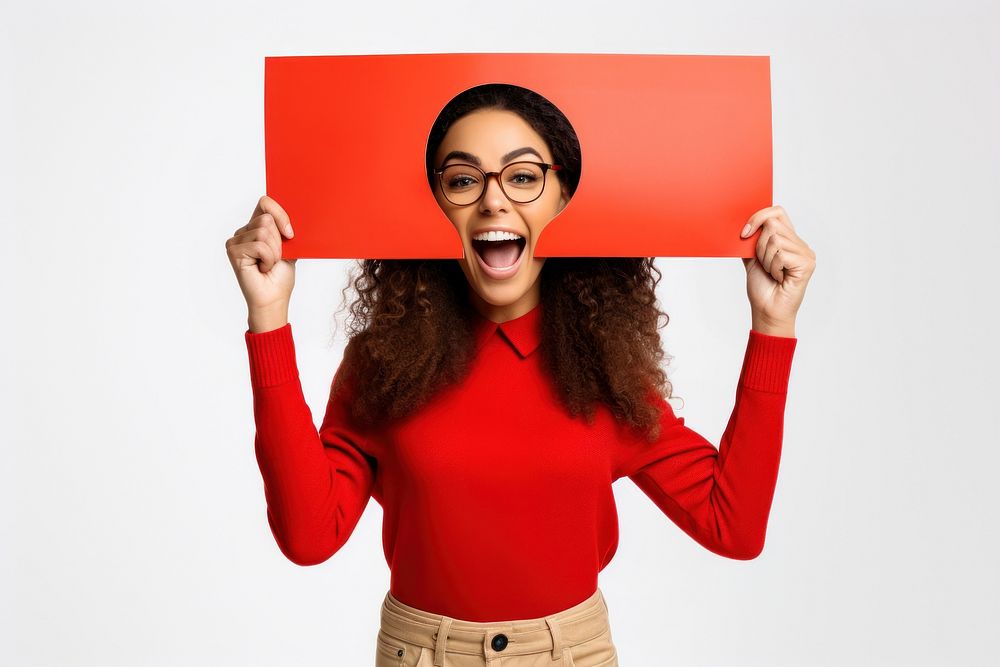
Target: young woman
column 489, row 404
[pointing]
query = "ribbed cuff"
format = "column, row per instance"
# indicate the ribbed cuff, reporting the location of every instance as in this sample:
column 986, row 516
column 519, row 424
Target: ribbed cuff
column 768, row 362
column 272, row 356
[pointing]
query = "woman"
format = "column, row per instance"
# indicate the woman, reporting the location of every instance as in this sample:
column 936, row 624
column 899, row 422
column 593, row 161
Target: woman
column 488, row 405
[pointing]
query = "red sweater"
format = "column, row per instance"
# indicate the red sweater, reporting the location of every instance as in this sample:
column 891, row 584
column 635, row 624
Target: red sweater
column 496, row 504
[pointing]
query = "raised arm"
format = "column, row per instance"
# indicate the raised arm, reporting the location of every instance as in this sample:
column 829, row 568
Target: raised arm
column 316, row 484
column 721, row 497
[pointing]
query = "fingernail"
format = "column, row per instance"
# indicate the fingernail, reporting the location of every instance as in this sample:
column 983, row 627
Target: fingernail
column 746, row 228
column 288, row 230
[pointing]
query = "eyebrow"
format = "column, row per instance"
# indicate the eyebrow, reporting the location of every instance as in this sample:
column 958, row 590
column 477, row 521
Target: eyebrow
column 469, row 157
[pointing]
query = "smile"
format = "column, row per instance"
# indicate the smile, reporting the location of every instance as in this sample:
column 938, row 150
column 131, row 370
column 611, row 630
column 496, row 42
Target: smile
column 499, row 259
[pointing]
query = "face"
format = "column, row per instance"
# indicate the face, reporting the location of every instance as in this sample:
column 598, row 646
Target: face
column 494, row 138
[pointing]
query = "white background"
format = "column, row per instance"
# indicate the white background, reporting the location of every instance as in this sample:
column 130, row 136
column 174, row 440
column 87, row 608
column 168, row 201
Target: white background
column 134, row 528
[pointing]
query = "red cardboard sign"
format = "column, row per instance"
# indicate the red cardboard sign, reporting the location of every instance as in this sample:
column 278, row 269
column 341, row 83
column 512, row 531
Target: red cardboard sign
column 675, row 150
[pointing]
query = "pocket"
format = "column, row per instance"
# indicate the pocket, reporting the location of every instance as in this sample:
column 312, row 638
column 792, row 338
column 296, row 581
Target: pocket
column 610, row 662
column 597, row 652
column 392, row 652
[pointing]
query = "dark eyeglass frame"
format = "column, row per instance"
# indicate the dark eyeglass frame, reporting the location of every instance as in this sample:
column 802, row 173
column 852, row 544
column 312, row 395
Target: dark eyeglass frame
column 486, row 175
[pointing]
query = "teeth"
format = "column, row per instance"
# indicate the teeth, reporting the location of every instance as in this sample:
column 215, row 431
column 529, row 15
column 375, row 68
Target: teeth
column 496, row 236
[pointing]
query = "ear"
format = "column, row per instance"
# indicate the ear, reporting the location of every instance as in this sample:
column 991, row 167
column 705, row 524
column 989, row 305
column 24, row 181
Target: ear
column 564, row 196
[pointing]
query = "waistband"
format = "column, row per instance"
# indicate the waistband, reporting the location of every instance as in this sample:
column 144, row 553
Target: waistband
column 556, row 632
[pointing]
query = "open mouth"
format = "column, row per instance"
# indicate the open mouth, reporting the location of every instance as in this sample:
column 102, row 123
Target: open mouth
column 500, row 255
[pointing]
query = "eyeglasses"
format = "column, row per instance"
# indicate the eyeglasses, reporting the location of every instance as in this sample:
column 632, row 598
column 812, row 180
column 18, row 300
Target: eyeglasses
column 521, row 182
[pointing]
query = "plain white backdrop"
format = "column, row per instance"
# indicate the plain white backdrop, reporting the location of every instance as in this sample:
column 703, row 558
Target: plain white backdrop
column 133, row 525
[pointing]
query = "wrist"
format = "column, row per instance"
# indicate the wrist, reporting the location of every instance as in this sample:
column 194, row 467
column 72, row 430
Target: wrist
column 772, row 328
column 260, row 320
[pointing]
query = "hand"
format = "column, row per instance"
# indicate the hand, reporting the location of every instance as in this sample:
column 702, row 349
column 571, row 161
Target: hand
column 778, row 273
column 254, row 251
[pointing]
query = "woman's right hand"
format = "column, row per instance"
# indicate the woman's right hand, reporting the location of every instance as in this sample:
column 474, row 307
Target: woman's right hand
column 265, row 279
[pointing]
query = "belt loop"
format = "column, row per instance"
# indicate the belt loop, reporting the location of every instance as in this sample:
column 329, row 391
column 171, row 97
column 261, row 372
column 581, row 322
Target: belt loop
column 557, row 647
column 441, row 640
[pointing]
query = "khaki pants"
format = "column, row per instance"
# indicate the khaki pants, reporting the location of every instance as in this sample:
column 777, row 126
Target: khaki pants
column 576, row 637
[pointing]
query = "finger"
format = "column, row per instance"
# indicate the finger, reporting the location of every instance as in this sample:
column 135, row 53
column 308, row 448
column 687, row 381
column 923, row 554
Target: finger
column 778, row 256
column 258, row 252
column 265, row 228
column 255, row 222
column 788, row 265
column 267, row 205
column 768, row 229
column 757, row 220
column 269, row 234
column 263, row 252
column 785, row 262
column 791, row 241
column 258, row 245
column 249, row 231
column 769, row 259
column 784, row 226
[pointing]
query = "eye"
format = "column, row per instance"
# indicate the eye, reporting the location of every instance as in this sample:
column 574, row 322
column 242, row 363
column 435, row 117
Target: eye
column 523, row 178
column 461, row 181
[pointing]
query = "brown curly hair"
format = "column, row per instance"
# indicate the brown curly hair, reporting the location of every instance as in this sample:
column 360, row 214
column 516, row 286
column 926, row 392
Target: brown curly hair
column 410, row 331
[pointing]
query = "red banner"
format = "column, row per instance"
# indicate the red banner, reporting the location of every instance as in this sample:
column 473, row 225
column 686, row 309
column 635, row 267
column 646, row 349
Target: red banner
column 675, row 150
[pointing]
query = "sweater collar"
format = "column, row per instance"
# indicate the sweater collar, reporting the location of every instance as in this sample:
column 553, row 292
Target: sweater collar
column 524, row 332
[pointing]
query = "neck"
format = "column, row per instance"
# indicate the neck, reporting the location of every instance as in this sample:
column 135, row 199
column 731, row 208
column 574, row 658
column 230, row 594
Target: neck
column 509, row 311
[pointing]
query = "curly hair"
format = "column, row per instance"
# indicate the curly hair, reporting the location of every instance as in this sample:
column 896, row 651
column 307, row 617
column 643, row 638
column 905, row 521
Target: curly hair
column 411, row 327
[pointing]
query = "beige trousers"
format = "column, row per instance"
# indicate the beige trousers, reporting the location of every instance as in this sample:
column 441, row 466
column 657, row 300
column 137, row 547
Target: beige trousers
column 576, row 637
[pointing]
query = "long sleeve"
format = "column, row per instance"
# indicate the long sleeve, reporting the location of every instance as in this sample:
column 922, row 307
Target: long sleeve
column 721, row 497
column 316, row 483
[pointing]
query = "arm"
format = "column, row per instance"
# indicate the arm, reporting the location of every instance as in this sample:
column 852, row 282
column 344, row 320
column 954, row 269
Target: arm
column 721, row 498
column 316, row 484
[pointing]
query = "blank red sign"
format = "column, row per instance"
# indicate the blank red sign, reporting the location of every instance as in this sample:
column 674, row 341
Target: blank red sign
column 675, row 149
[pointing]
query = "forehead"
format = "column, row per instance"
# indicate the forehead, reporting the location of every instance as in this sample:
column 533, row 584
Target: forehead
column 491, row 133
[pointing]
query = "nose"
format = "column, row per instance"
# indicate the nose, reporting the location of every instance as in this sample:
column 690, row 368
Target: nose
column 493, row 197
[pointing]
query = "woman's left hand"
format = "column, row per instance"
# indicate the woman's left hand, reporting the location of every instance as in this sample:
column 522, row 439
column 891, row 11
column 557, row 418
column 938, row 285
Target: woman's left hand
column 778, row 273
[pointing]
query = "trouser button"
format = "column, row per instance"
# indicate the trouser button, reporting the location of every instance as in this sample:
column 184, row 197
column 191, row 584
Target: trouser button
column 499, row 642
